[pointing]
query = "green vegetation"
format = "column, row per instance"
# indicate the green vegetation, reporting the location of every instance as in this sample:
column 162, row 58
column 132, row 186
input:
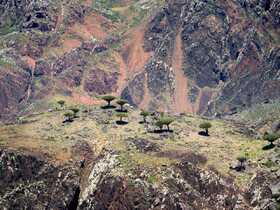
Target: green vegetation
column 105, row 7
column 262, row 112
column 75, row 110
column 270, row 137
column 121, row 103
column 121, row 115
column 46, row 129
column 144, row 114
column 69, row 115
column 164, row 121
column 152, row 179
column 108, row 99
column 61, row 103
column 205, row 126
column 140, row 12
column 269, row 164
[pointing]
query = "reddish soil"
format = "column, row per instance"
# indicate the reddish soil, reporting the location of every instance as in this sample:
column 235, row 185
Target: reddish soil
column 181, row 103
column 132, row 59
column 30, row 62
column 134, row 53
column 85, row 99
column 94, row 26
column 70, row 44
column 87, row 3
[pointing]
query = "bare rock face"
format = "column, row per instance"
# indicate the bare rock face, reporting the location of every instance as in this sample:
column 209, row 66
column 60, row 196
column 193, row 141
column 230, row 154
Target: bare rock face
column 30, row 183
column 185, row 187
column 39, row 15
column 229, row 53
column 100, row 82
column 207, row 57
column 15, row 81
column 275, row 126
column 260, row 192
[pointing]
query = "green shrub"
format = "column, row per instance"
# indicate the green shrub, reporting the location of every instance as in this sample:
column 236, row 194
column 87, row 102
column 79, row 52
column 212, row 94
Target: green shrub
column 75, row 110
column 121, row 103
column 108, row 99
column 205, row 126
column 270, row 137
column 121, row 115
column 61, row 103
column 144, row 114
column 69, row 116
column 164, row 121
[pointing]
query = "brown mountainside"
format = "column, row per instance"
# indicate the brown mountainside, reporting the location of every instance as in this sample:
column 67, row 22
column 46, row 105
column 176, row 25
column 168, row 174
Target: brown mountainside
column 206, row 57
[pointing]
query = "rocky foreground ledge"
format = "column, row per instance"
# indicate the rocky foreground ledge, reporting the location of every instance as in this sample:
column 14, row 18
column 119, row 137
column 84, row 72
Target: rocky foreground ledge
column 28, row 182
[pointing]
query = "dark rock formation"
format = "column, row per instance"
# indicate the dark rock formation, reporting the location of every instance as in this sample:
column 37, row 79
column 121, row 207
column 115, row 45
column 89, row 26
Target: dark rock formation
column 27, row 182
column 14, row 84
column 100, row 82
column 229, row 47
column 260, row 193
column 40, row 15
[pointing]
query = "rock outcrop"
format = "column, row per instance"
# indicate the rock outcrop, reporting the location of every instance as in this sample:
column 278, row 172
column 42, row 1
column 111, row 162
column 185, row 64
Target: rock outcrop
column 27, row 182
column 31, row 183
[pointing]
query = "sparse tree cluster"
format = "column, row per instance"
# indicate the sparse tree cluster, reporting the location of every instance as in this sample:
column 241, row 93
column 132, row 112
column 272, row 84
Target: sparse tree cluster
column 121, row 113
column 164, row 121
column 71, row 112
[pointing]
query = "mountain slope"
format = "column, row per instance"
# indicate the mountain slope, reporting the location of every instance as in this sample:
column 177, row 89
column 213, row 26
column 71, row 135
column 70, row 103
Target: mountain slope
column 207, row 57
column 230, row 57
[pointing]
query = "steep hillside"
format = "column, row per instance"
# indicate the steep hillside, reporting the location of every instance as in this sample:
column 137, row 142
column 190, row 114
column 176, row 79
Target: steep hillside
column 77, row 48
column 228, row 52
column 207, row 57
